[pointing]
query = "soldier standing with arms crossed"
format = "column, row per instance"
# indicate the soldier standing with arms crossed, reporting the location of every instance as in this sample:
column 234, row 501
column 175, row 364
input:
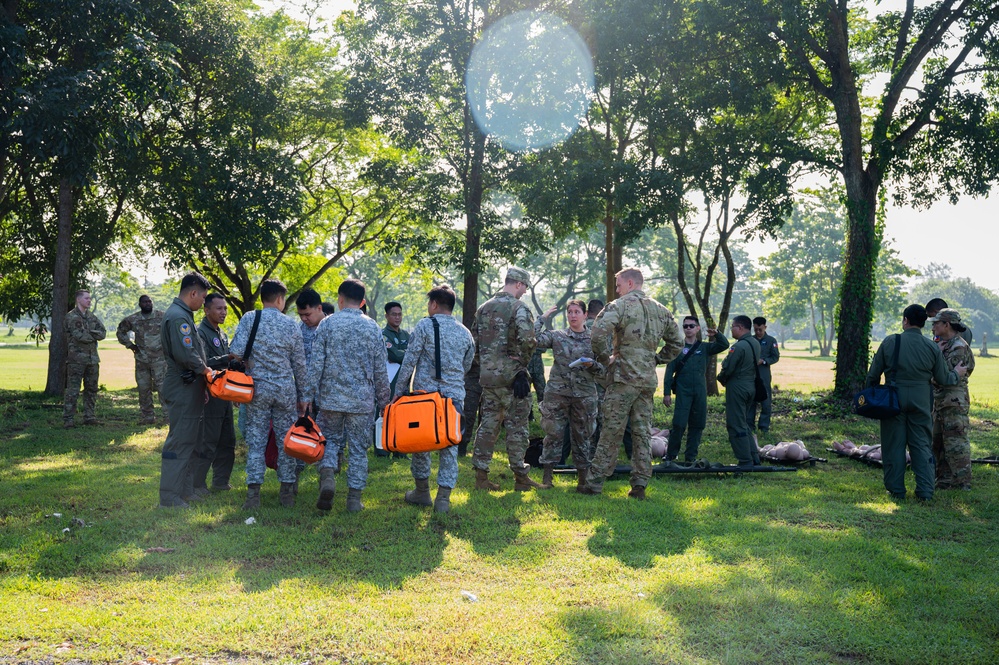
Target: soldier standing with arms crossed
column 83, row 331
column 951, row 447
column 183, row 392
column 631, row 327
column 738, row 375
column 504, row 341
column 148, row 349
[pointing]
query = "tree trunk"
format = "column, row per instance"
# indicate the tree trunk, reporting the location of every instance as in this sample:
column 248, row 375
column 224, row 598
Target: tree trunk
column 473, row 232
column 609, row 252
column 56, row 380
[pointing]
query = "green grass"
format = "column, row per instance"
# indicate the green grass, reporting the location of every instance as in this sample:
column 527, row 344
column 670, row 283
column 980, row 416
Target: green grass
column 809, row 567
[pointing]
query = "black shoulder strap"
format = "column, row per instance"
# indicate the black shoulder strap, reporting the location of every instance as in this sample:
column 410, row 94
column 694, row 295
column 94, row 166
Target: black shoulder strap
column 894, row 359
column 253, row 334
column 437, row 347
column 685, row 358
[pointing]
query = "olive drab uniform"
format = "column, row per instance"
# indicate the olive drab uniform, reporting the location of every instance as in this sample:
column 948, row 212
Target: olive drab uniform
column 396, row 343
column 769, row 354
column 149, row 361
column 83, row 331
column 184, row 392
column 631, row 327
column 919, row 362
column 738, row 375
column 504, row 342
column 951, row 447
column 218, row 441
column 690, row 405
column 570, row 395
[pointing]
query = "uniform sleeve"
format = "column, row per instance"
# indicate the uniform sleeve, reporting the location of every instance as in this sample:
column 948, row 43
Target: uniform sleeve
column 469, row 353
column 76, row 329
column 526, row 343
column 668, row 376
column 543, row 339
column 299, row 368
column 673, row 341
column 417, row 342
column 383, row 389
column 773, row 353
column 942, row 373
column 315, row 370
column 602, row 333
column 122, row 334
column 731, row 363
column 185, row 347
column 720, row 344
column 877, row 366
column 394, row 354
column 215, row 362
column 239, row 340
column 98, row 331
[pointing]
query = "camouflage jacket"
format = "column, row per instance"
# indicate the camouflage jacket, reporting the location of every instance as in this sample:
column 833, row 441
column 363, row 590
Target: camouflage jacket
column 955, row 350
column 457, row 352
column 148, row 346
column 83, row 331
column 503, row 331
column 631, row 328
column 347, row 372
column 567, row 346
column 216, row 345
column 308, row 339
column 277, row 357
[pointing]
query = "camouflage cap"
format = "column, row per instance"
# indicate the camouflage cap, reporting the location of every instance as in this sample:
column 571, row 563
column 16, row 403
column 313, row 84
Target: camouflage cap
column 951, row 316
column 518, row 275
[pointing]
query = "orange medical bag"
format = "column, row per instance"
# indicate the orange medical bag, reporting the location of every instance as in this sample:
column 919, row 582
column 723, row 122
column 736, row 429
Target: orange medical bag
column 304, row 441
column 232, row 386
column 420, row 422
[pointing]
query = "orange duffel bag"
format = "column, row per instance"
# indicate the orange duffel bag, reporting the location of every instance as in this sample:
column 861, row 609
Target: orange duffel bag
column 420, row 422
column 232, row 386
column 304, row 441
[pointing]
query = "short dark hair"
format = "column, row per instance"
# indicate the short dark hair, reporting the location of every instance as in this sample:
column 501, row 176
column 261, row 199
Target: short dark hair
column 212, row 297
column 594, row 306
column 578, row 303
column 352, row 290
column 144, row 295
column 759, row 321
column 916, row 315
column 193, row 280
column 308, row 298
column 743, row 321
column 935, row 305
column 272, row 289
column 443, row 295
column 328, row 308
column 691, row 317
column 390, row 305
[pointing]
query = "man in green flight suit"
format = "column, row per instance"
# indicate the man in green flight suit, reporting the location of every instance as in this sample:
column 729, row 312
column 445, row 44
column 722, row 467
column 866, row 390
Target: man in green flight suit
column 83, row 331
column 769, row 355
column 396, row 343
column 919, row 361
column 184, row 392
column 738, row 375
column 685, row 378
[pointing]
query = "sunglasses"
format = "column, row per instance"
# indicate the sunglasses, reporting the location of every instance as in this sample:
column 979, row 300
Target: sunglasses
column 689, row 325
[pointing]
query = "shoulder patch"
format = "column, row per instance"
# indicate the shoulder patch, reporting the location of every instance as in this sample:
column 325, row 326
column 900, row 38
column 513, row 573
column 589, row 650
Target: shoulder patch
column 187, row 342
column 185, row 328
column 216, row 342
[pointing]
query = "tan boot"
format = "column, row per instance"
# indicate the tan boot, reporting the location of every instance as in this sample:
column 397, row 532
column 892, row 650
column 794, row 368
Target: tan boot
column 547, row 482
column 354, row 504
column 252, row 497
column 581, row 477
column 482, row 481
column 442, row 503
column 523, row 483
column 327, row 488
column 421, row 495
column 287, row 495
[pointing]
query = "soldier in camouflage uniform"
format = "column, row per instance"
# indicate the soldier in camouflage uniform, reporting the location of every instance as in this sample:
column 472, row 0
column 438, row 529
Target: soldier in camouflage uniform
column 504, row 341
column 184, row 392
column 631, row 328
column 473, row 398
column 738, row 375
column 571, row 394
column 951, row 447
column 310, row 311
column 83, row 331
column 457, row 349
column 348, row 383
column 280, row 376
column 148, row 349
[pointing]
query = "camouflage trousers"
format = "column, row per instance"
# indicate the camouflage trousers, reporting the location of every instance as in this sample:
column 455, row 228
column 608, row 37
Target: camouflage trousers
column 621, row 402
column 149, row 379
column 473, row 396
column 501, row 409
column 580, row 414
column 951, row 447
column 275, row 407
column 356, row 432
column 75, row 374
column 447, row 461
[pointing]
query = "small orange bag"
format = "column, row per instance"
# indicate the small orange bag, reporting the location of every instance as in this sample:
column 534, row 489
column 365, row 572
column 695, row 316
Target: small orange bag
column 421, row 422
column 304, row 441
column 232, row 386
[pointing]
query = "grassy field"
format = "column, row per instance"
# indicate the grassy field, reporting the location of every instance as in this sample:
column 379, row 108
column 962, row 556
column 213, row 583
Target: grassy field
column 815, row 566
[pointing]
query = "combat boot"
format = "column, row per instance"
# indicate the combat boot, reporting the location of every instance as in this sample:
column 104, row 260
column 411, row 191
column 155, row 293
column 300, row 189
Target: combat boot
column 442, row 503
column 482, row 481
column 581, row 477
column 523, row 483
column 637, row 492
column 252, row 497
column 354, row 504
column 421, row 495
column 287, row 495
column 547, row 482
column 327, row 488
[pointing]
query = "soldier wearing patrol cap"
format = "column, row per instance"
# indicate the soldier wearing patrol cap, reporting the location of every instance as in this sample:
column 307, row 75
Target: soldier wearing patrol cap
column 503, row 331
column 951, row 447
column 83, row 331
column 183, row 391
column 147, row 347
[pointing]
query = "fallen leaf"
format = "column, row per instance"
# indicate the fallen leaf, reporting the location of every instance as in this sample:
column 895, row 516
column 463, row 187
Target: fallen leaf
column 24, row 647
column 161, row 550
column 65, row 646
column 174, row 660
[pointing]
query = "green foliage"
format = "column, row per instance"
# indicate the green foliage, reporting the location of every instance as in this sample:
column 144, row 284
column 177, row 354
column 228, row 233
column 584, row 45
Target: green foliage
column 979, row 307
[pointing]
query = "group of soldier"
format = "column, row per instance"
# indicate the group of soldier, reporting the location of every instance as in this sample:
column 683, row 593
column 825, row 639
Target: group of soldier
column 333, row 364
